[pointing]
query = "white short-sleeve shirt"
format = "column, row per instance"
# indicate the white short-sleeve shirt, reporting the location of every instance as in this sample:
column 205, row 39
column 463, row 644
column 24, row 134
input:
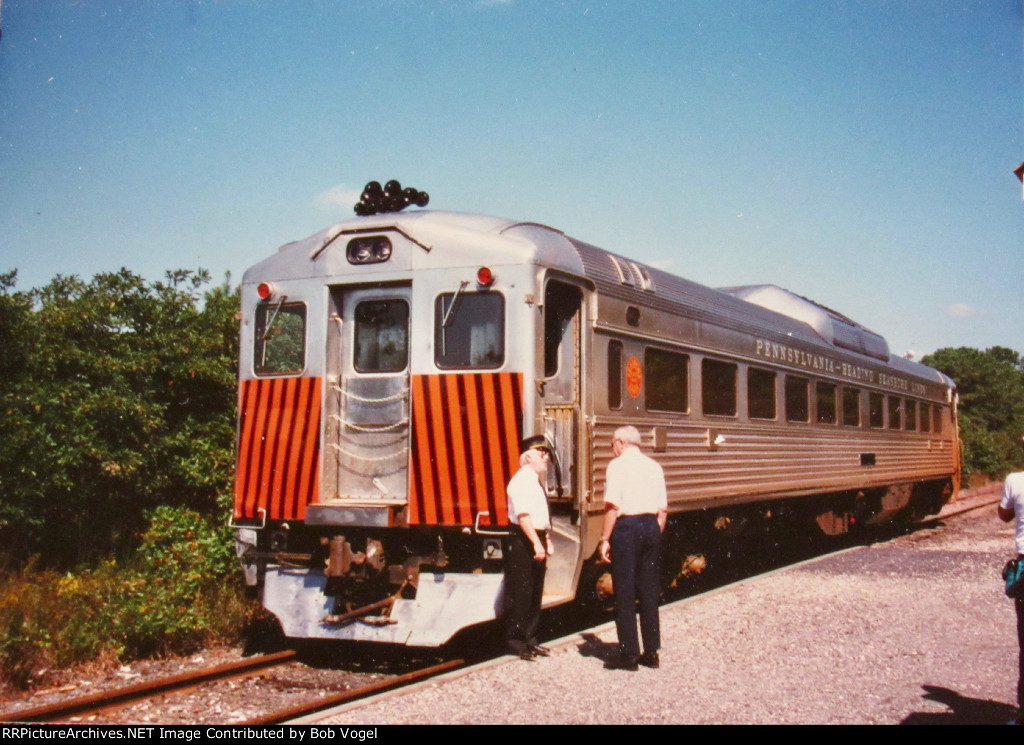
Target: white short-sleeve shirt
column 526, row 497
column 635, row 484
column 1013, row 499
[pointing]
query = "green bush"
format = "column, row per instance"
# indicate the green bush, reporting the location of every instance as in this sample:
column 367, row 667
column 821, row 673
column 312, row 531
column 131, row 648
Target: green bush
column 117, row 395
column 117, row 412
column 178, row 592
column 180, row 572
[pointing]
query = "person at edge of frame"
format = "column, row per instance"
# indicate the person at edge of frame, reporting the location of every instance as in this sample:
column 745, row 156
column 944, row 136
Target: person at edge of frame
column 636, row 512
column 1010, row 506
column 527, row 548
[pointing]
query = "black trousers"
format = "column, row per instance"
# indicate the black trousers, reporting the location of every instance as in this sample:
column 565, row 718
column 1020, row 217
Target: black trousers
column 524, row 588
column 636, row 565
column 1019, row 605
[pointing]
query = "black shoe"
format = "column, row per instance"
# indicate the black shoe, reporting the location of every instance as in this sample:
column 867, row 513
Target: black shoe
column 650, row 659
column 522, row 651
column 540, row 651
column 623, row 662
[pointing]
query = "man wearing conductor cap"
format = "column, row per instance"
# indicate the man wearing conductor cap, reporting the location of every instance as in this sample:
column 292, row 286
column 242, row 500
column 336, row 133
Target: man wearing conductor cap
column 527, row 548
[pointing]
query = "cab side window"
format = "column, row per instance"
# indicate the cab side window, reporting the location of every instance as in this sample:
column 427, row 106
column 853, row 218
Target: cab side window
column 280, row 347
column 469, row 330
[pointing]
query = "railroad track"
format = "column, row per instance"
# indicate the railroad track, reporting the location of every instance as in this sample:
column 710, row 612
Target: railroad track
column 326, row 702
column 107, row 701
column 120, row 697
column 975, row 502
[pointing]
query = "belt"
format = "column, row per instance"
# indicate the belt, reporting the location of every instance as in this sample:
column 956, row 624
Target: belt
column 539, row 531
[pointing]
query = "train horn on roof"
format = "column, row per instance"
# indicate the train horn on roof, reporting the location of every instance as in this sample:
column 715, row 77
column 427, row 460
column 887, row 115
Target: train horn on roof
column 389, row 198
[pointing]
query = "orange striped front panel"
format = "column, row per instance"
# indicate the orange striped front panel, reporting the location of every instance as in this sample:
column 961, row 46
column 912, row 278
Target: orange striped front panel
column 466, row 430
column 278, row 447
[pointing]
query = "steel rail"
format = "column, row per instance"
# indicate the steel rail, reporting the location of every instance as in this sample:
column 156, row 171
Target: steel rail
column 123, row 696
column 983, row 501
column 327, row 702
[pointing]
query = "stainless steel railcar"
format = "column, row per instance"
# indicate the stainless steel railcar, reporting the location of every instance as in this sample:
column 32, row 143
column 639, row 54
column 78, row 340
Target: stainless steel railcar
column 391, row 364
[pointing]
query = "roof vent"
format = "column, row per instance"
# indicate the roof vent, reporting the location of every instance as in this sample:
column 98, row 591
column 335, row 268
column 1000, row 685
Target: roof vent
column 830, row 325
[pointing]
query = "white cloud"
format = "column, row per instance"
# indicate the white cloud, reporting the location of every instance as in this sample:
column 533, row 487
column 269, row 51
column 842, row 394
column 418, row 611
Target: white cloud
column 959, row 310
column 338, row 196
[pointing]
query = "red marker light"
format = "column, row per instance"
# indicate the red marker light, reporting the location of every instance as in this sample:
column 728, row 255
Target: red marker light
column 264, row 290
column 484, row 276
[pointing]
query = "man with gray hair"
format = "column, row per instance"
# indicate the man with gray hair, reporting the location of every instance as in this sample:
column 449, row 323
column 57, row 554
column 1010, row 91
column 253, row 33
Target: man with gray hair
column 636, row 512
column 1011, row 507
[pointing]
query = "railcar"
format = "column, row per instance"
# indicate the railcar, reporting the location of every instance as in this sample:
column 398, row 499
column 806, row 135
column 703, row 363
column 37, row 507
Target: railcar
column 391, row 364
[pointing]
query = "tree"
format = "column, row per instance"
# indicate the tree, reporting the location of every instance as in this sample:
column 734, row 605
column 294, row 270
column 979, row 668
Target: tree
column 991, row 389
column 118, row 396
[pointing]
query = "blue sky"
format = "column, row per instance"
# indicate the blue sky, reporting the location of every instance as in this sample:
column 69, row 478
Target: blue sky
column 857, row 152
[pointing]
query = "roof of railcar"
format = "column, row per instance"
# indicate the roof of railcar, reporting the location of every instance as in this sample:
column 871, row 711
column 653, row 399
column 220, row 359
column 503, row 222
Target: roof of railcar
column 550, row 247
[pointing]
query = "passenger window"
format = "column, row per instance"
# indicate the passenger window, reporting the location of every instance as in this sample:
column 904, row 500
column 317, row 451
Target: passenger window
column 718, row 386
column 851, row 407
column 797, row 406
column 381, row 336
column 667, row 380
column 469, row 330
column 910, row 423
column 895, row 419
column 937, row 419
column 826, row 403
column 760, row 393
column 876, row 410
column 615, row 374
column 924, row 423
column 280, row 339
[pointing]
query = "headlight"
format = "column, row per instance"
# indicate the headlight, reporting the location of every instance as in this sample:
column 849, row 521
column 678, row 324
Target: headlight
column 369, row 250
